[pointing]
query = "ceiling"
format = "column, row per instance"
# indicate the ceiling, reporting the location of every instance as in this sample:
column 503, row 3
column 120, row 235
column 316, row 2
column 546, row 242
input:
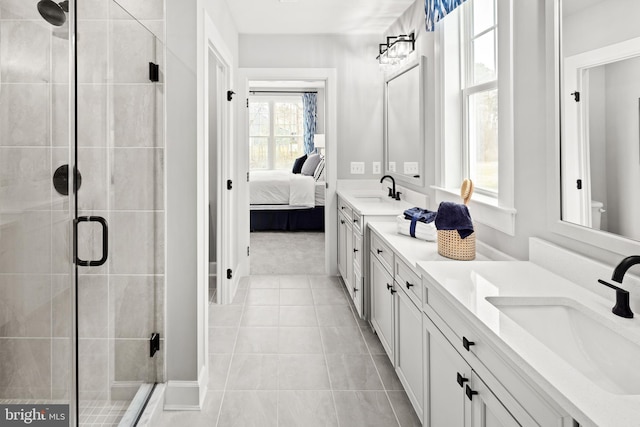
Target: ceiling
column 315, row 16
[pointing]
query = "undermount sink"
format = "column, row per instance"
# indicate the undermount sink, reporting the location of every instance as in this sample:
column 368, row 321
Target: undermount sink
column 580, row 337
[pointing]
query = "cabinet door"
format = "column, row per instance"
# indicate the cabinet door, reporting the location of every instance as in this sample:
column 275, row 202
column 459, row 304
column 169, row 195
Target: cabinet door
column 486, row 409
column 446, row 370
column 409, row 349
column 382, row 305
column 357, row 290
column 357, row 249
column 348, row 278
column 342, row 245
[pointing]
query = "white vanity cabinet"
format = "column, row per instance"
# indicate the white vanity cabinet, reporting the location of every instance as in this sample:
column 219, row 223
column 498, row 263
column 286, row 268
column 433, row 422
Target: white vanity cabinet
column 458, row 397
column 353, row 258
column 466, row 375
column 383, row 301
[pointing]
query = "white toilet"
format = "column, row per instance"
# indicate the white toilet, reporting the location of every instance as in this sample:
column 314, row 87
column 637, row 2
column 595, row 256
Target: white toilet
column 597, row 209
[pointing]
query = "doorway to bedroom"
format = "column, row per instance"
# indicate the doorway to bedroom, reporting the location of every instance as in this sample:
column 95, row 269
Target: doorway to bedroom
column 287, row 185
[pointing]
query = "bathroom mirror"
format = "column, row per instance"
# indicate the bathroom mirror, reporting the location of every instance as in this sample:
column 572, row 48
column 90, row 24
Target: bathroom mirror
column 600, row 116
column 404, row 123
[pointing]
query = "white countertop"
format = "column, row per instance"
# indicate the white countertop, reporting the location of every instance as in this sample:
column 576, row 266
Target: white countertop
column 411, row 250
column 360, row 201
column 466, row 284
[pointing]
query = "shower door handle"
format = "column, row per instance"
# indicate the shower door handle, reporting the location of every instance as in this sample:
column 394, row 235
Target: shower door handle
column 105, row 240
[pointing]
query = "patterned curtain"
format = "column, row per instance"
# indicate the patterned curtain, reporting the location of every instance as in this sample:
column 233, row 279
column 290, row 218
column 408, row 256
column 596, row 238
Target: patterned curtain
column 435, row 10
column 310, row 117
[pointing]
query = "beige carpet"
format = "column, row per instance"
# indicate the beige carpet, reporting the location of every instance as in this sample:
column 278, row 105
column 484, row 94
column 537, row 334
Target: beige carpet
column 276, row 252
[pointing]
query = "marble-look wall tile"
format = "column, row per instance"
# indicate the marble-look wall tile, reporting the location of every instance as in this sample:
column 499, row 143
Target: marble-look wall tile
column 24, row 112
column 132, row 361
column 138, row 179
column 25, row 178
column 25, row 306
column 93, row 375
column 25, row 368
column 93, row 48
column 134, row 305
column 61, row 110
column 93, row 303
column 135, row 116
column 18, row 9
column 93, row 128
column 25, row 240
column 137, row 243
column 93, row 9
column 142, row 9
column 92, row 165
column 61, row 365
column 132, row 48
column 25, row 52
column 61, row 303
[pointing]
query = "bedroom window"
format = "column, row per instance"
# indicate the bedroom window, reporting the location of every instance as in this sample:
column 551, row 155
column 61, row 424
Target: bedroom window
column 276, row 133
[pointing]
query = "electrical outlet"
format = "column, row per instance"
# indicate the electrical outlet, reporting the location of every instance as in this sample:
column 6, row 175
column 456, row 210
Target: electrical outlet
column 376, row 167
column 411, row 168
column 392, row 166
column 357, row 168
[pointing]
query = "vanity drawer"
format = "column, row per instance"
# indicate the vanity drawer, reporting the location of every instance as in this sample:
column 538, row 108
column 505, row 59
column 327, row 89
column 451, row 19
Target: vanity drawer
column 345, row 209
column 357, row 222
column 382, row 251
column 409, row 281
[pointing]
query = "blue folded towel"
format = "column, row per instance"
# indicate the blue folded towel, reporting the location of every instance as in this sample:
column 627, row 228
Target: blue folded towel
column 454, row 216
column 418, row 214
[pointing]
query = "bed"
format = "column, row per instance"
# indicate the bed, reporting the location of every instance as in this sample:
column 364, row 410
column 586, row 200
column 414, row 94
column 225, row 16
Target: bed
column 284, row 201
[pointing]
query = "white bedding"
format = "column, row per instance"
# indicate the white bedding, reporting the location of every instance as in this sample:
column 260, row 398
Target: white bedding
column 282, row 188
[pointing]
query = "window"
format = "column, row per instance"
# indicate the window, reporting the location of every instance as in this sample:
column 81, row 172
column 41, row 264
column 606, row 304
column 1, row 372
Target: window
column 475, row 87
column 276, row 132
column 479, row 74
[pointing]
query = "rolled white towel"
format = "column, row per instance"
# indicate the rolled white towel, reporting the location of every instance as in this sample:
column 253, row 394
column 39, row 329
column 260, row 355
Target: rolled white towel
column 423, row 230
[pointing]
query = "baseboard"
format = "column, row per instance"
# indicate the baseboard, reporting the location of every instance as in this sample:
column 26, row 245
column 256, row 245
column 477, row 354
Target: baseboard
column 186, row 395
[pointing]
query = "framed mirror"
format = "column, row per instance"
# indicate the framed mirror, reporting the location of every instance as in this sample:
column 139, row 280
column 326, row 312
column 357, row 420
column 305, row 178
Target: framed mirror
column 599, row 126
column 404, row 123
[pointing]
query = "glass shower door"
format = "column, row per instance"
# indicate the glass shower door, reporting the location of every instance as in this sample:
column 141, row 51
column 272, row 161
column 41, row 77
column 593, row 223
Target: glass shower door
column 36, row 274
column 120, row 210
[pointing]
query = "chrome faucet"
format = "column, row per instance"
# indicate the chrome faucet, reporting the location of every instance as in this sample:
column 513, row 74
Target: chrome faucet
column 392, row 191
column 622, row 308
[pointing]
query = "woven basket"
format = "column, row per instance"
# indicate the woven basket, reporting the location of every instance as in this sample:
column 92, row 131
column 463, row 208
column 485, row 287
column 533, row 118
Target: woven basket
column 451, row 245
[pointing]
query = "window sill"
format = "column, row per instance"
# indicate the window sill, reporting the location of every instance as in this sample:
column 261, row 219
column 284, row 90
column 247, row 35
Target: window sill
column 483, row 209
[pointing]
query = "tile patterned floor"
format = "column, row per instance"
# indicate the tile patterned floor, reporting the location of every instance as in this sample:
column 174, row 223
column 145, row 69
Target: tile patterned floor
column 102, row 413
column 290, row 352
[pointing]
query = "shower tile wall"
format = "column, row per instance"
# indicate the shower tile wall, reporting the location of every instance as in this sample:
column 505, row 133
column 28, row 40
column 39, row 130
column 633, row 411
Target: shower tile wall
column 35, row 268
column 121, row 159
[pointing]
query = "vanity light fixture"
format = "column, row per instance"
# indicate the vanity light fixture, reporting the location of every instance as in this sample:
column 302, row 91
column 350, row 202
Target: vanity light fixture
column 395, row 50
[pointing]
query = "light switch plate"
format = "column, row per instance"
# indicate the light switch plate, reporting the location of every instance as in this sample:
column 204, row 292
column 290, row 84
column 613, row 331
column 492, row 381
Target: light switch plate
column 357, row 168
column 392, row 166
column 376, row 167
column 411, row 168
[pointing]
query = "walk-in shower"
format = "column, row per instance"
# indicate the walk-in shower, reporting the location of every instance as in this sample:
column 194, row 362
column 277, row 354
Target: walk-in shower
column 81, row 272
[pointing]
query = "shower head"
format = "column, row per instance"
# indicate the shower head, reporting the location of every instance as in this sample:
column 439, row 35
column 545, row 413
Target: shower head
column 52, row 12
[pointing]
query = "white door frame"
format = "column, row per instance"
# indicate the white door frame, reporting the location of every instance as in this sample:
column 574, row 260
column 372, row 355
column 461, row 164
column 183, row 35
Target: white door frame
column 329, row 76
column 211, row 41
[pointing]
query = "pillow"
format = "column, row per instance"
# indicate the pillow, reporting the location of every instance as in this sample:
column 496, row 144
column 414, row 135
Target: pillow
column 310, row 165
column 297, row 164
column 319, row 173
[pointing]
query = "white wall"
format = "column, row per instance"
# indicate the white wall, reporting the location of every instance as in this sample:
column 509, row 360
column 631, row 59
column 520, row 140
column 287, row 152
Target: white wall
column 183, row 360
column 530, row 123
column 359, row 85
